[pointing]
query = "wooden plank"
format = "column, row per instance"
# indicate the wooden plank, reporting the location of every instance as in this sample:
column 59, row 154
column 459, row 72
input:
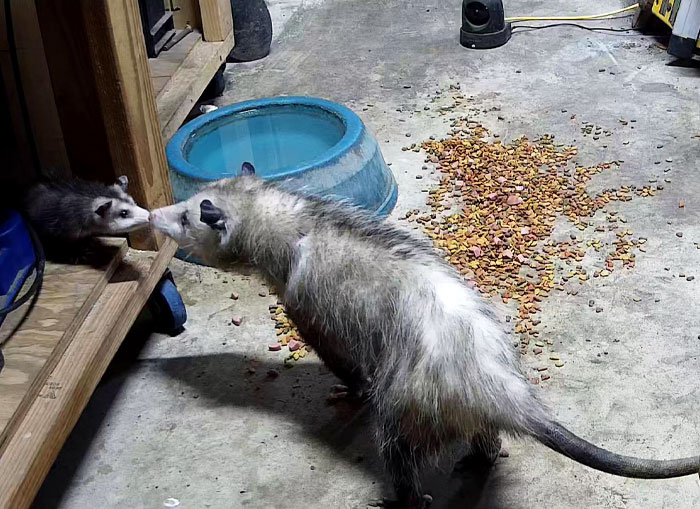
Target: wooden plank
column 36, row 443
column 186, row 13
column 168, row 62
column 98, row 48
column 217, row 21
column 29, row 456
column 179, row 96
column 34, row 337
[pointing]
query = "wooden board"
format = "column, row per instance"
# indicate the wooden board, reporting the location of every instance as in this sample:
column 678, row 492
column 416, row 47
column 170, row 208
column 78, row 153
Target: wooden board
column 217, row 21
column 190, row 70
column 185, row 13
column 34, row 337
column 30, row 451
column 168, row 62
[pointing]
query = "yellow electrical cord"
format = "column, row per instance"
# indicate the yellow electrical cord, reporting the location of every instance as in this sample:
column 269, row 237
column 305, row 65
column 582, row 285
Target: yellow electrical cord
column 573, row 18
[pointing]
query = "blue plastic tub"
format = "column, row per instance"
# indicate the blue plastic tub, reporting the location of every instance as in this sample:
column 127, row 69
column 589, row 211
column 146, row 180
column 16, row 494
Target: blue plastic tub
column 309, row 145
column 16, row 256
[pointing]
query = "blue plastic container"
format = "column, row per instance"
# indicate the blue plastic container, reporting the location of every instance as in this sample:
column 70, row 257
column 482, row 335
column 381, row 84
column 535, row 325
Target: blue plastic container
column 309, row 145
column 16, row 256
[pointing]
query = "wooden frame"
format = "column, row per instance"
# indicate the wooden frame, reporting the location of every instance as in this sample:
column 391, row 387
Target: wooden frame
column 217, row 22
column 94, row 112
column 35, row 434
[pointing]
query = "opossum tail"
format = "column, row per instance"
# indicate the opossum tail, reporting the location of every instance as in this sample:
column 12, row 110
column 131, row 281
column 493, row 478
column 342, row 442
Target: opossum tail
column 558, row 438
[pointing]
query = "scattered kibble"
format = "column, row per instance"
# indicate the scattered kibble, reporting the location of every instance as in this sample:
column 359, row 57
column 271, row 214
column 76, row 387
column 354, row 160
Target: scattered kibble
column 287, row 335
column 495, row 206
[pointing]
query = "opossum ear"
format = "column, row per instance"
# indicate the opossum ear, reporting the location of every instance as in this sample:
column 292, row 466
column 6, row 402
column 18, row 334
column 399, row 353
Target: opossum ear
column 211, row 215
column 123, row 183
column 102, row 209
column 247, row 169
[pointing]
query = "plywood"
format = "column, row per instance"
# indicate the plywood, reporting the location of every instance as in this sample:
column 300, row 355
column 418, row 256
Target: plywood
column 168, row 62
column 34, row 337
column 177, row 96
column 30, row 451
column 217, row 21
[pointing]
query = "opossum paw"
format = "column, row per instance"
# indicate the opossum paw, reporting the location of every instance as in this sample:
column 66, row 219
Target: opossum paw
column 343, row 392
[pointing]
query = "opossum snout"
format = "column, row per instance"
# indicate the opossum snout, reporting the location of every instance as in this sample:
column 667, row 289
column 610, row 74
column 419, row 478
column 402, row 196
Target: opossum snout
column 159, row 221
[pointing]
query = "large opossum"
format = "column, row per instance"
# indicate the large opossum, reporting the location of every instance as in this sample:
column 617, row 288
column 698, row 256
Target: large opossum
column 391, row 318
column 71, row 210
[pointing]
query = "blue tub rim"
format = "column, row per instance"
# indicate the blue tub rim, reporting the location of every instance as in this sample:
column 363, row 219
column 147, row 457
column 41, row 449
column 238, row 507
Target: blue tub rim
column 354, row 130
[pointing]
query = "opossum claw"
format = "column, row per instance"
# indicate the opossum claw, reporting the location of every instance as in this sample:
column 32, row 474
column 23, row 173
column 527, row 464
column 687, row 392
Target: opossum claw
column 424, row 502
column 343, row 392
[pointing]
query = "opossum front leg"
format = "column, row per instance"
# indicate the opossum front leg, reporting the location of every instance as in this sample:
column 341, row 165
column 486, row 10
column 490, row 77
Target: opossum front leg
column 485, row 448
column 354, row 382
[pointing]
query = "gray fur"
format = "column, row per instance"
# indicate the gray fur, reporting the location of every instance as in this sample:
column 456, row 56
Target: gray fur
column 69, row 210
column 388, row 316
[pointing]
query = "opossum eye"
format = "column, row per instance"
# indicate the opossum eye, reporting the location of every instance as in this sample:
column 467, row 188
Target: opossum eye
column 124, row 213
column 184, row 221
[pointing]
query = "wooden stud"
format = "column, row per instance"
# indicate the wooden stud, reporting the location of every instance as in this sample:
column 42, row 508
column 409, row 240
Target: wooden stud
column 217, row 21
column 186, row 13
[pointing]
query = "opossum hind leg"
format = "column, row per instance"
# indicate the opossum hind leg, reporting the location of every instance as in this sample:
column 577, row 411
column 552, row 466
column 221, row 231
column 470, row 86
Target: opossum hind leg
column 403, row 461
column 484, row 451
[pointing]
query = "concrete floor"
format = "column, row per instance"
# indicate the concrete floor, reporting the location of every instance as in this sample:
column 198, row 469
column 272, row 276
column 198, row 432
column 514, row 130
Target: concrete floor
column 197, row 418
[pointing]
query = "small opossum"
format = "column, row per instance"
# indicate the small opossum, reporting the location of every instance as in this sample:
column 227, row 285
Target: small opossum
column 72, row 210
column 391, row 319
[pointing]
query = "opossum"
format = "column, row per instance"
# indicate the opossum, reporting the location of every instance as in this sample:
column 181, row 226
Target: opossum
column 392, row 320
column 72, row 210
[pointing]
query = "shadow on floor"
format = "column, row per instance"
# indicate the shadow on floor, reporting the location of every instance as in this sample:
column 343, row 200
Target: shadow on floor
column 241, row 381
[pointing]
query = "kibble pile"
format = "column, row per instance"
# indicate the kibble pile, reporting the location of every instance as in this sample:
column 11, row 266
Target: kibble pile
column 494, row 211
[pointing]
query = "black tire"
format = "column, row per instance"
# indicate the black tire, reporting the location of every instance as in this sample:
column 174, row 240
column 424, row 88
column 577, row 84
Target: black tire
column 216, row 86
column 167, row 307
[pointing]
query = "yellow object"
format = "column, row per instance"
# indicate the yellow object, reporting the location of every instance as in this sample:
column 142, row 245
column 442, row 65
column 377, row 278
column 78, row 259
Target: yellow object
column 666, row 11
column 669, row 7
column 574, row 18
